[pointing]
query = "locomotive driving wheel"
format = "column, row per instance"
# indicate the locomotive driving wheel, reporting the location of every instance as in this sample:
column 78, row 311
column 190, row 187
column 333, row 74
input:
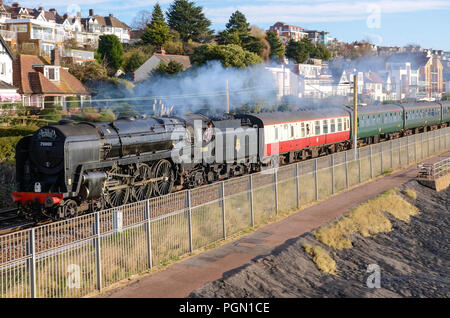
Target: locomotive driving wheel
column 164, row 178
column 117, row 191
column 69, row 210
column 142, row 185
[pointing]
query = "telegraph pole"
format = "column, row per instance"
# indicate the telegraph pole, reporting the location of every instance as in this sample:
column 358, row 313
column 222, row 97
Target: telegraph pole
column 355, row 112
column 228, row 98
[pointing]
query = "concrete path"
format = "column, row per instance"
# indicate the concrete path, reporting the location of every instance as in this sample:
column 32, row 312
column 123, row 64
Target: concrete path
column 180, row 279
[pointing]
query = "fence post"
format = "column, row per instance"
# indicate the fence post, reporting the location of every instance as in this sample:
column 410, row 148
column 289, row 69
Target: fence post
column 149, row 237
column 189, row 219
column 346, row 170
column 421, row 146
column 392, row 154
column 97, row 251
column 371, row 163
column 297, row 185
column 407, row 150
column 252, row 212
column 415, row 148
column 428, row 144
column 32, row 263
column 275, row 180
column 359, row 165
column 399, row 153
column 316, row 180
column 223, row 211
column 332, row 173
column 381, row 157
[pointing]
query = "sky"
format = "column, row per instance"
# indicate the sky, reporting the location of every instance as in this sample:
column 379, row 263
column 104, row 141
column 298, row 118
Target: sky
column 383, row 22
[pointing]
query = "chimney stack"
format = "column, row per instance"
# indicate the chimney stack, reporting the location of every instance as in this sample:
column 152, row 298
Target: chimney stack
column 111, row 15
column 15, row 5
column 65, row 16
column 91, row 12
column 163, row 52
column 41, row 9
column 56, row 60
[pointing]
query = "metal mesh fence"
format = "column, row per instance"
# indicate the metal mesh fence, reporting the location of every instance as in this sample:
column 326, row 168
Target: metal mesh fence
column 75, row 257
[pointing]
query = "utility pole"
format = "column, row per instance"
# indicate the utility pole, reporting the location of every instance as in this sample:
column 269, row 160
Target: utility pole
column 355, row 112
column 228, row 98
column 284, row 80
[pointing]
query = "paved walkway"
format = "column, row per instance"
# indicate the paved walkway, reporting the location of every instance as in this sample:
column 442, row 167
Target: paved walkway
column 180, row 279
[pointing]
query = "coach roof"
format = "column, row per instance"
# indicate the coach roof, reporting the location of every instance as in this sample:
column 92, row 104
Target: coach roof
column 283, row 117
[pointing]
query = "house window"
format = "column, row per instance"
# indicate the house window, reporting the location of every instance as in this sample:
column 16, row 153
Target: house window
column 2, row 68
column 52, row 73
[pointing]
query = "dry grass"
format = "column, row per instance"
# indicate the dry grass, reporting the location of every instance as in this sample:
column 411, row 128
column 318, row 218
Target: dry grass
column 410, row 193
column 323, row 261
column 367, row 219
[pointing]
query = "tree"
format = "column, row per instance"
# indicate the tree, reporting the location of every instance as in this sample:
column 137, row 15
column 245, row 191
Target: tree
column 133, row 62
column 238, row 25
column 111, row 51
column 157, row 32
column 188, row 20
column 230, row 55
column 172, row 68
column 276, row 47
column 321, row 52
column 297, row 51
column 141, row 20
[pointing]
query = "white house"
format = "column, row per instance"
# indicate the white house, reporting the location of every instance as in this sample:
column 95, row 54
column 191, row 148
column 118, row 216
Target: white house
column 8, row 93
column 145, row 71
column 287, row 81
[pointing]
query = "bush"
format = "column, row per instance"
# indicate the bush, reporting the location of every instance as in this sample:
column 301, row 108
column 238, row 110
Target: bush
column 72, row 102
column 7, row 179
column 17, row 131
column 8, row 148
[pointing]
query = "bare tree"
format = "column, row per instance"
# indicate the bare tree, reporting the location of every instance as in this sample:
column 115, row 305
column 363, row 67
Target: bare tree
column 141, row 20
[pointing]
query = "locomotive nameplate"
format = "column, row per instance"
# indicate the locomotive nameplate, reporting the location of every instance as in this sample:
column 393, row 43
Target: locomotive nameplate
column 47, row 133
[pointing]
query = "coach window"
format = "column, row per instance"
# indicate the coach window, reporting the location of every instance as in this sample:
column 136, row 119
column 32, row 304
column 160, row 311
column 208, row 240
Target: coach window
column 317, row 128
column 276, row 133
column 292, row 131
column 302, row 130
column 333, row 126
column 339, row 124
column 325, row 127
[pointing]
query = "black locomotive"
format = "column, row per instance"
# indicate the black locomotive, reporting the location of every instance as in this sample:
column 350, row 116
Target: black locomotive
column 68, row 169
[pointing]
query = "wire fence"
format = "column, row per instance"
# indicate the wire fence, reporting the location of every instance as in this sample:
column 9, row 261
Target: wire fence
column 76, row 257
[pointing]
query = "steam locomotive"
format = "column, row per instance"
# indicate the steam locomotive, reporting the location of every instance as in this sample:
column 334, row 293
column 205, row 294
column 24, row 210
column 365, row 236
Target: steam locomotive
column 68, row 169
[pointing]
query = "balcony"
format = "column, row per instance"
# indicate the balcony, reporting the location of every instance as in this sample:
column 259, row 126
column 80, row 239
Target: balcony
column 8, row 35
column 79, row 55
column 47, row 37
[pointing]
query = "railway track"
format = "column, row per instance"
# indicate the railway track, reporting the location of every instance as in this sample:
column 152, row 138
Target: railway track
column 12, row 221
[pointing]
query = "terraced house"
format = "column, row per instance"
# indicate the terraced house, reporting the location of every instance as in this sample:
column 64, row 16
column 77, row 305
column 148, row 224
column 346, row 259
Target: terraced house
column 39, row 31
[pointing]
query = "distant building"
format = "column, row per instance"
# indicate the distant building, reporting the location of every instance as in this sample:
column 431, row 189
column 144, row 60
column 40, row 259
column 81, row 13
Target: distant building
column 288, row 32
column 319, row 37
column 286, row 80
column 145, row 71
column 418, row 75
column 43, row 81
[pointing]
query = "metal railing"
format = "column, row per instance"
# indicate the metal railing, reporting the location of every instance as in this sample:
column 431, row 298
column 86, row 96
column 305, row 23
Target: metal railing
column 8, row 35
column 76, row 257
column 433, row 171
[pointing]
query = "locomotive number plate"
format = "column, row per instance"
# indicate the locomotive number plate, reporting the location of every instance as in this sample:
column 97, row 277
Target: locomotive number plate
column 46, row 144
